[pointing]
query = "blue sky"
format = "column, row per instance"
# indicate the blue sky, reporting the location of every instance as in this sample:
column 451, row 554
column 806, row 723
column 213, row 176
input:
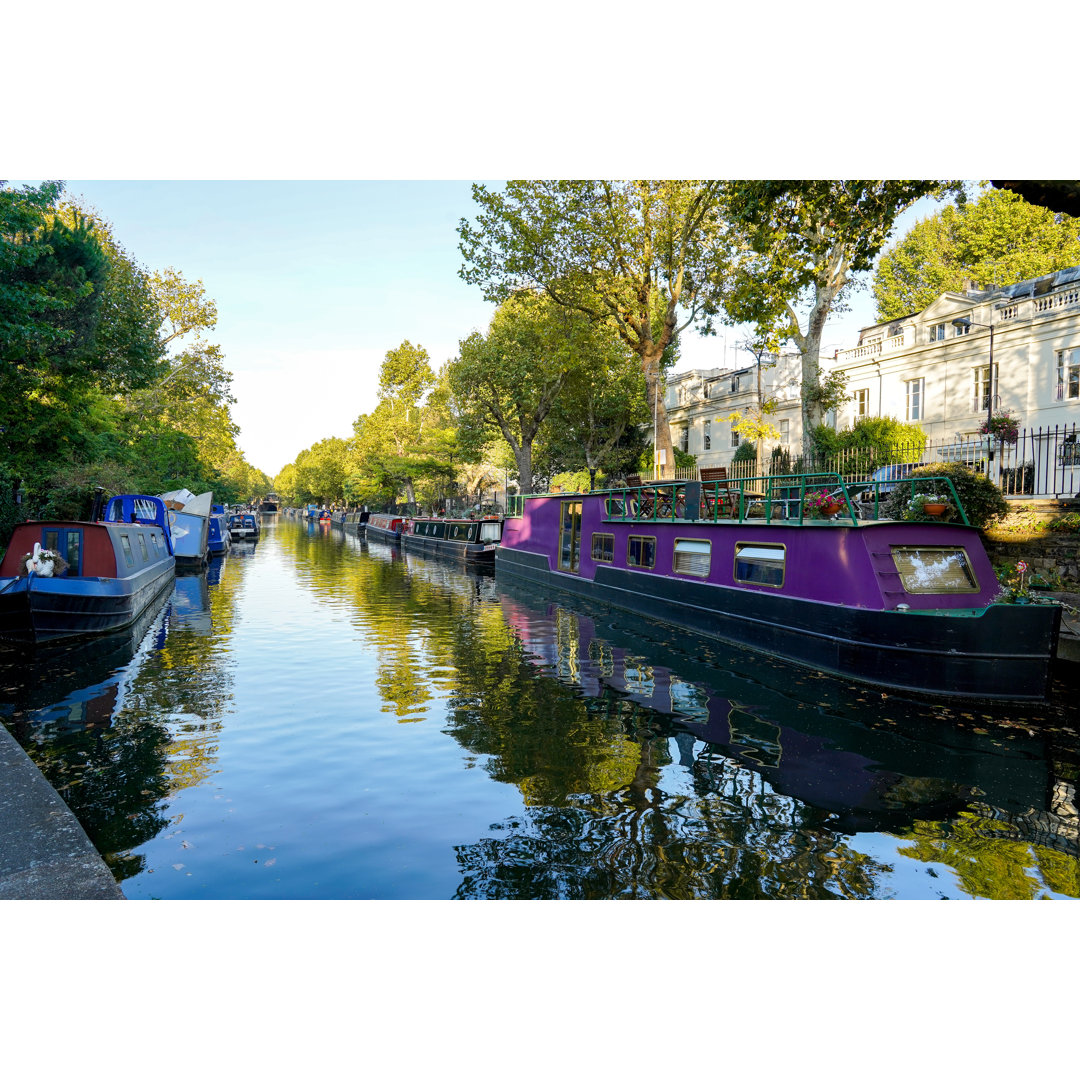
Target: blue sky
column 316, row 280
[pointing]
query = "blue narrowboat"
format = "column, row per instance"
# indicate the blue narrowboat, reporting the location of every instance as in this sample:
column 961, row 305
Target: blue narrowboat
column 218, row 538
column 64, row 580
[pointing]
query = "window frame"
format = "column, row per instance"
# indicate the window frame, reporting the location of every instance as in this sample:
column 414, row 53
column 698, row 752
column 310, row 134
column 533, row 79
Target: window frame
column 691, row 573
column 649, row 540
column 755, row 544
column 914, row 416
column 607, row 553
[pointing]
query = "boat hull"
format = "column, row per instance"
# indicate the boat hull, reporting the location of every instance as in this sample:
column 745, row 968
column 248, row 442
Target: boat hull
column 459, row 551
column 1001, row 651
column 35, row 610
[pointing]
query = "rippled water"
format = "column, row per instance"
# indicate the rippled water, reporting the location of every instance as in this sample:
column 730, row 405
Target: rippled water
column 319, row 717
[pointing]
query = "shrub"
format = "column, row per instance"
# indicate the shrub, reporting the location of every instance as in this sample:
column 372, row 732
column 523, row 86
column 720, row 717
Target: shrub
column 747, row 451
column 980, row 497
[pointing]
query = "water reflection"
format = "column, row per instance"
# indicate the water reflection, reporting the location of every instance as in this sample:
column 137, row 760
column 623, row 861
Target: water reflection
column 319, row 717
column 722, row 775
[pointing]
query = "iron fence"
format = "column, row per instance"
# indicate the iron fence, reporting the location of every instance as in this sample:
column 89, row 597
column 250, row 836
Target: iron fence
column 1041, row 463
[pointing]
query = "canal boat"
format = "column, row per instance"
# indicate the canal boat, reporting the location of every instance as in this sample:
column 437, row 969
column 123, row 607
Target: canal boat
column 85, row 577
column 355, row 521
column 385, row 527
column 311, row 512
column 468, row 540
column 189, row 522
column 244, row 526
column 269, row 505
column 896, row 603
column 217, row 537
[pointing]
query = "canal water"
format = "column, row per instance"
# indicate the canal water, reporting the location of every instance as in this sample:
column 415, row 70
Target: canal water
column 318, row 716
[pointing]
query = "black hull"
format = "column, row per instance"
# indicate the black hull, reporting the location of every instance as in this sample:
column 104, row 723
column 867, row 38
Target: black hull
column 385, row 536
column 28, row 619
column 459, row 551
column 1005, row 653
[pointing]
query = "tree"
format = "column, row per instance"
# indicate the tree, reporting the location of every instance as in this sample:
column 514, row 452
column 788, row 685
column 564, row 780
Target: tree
column 802, row 242
column 998, row 239
column 507, row 382
column 644, row 256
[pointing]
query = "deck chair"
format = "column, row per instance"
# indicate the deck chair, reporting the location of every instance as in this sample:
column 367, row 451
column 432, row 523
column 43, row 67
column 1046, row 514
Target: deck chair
column 720, row 495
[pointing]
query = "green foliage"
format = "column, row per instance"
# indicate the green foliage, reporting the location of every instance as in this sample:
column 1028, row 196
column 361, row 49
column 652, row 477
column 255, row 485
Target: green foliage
column 802, row 243
column 998, row 239
column 982, row 501
column 872, row 441
column 571, row 481
column 638, row 256
column 747, row 451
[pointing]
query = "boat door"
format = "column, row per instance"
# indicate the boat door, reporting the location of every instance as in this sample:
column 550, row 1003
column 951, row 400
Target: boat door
column 570, row 536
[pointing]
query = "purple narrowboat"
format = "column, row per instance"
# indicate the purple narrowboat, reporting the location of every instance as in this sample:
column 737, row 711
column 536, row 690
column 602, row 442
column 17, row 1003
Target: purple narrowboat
column 900, row 604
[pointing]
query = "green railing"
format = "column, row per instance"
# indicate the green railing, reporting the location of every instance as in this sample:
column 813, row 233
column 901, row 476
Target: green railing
column 763, row 499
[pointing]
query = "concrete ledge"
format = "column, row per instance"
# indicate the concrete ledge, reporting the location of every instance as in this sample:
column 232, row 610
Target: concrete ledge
column 44, row 852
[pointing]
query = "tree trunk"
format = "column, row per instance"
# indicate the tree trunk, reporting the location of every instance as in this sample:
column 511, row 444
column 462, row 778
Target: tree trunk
column 810, row 347
column 523, row 457
column 650, row 366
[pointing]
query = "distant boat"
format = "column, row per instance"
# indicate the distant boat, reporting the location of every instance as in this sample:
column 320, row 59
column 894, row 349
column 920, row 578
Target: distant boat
column 189, row 520
column 218, row 538
column 270, row 505
column 469, row 540
column 244, row 526
column 385, row 527
column 355, row 521
column 87, row 577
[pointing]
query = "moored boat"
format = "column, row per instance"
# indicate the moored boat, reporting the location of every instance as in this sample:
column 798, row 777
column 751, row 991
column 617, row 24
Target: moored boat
column 189, row 522
column 385, row 527
column 217, row 536
column 270, row 505
column 244, row 526
column 469, row 540
column 87, row 577
column 900, row 604
column 355, row 521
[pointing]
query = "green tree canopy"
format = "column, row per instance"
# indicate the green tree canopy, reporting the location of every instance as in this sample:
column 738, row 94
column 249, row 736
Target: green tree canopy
column 801, row 243
column 644, row 256
column 997, row 239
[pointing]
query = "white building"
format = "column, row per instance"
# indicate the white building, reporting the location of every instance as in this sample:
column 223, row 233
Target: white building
column 699, row 403
column 933, row 367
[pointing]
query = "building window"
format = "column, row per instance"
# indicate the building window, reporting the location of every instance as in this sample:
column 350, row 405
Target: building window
column 734, row 438
column 734, row 384
column 684, row 439
column 896, row 330
column 959, row 329
column 937, row 333
column 981, row 400
column 862, row 403
column 784, row 426
column 706, row 435
column 914, row 399
column 681, row 395
column 1068, row 375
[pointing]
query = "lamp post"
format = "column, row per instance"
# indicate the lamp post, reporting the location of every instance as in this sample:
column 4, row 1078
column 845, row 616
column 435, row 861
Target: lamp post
column 965, row 322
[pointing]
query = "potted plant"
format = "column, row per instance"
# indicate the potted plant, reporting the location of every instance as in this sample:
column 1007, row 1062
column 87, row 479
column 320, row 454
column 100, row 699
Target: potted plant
column 821, row 504
column 43, row 562
column 1003, row 426
column 928, row 506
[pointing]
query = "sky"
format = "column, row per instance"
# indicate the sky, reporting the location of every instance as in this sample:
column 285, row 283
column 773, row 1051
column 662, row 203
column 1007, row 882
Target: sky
column 315, row 281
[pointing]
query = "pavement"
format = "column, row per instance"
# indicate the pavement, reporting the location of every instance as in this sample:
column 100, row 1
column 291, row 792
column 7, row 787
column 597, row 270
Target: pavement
column 44, row 852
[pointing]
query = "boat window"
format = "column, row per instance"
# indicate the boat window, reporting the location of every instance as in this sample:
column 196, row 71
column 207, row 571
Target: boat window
column 760, row 564
column 692, row 557
column 74, row 551
column 570, row 536
column 142, row 547
column 155, row 541
column 934, row 570
column 490, row 530
column 641, row 551
column 52, row 540
column 125, row 543
column 603, row 547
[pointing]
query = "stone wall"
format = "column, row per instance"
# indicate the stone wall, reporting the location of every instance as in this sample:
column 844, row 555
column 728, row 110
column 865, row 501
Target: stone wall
column 1050, row 554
